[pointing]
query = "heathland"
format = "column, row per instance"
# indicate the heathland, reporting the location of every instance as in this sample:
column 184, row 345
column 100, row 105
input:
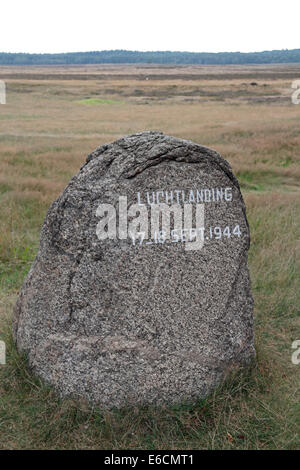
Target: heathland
column 53, row 118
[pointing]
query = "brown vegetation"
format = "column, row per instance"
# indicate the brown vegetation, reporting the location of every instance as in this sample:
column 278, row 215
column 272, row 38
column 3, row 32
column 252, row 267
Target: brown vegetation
column 48, row 127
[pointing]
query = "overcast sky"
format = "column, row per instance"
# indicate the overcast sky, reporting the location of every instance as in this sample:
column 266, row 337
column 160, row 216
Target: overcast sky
column 186, row 25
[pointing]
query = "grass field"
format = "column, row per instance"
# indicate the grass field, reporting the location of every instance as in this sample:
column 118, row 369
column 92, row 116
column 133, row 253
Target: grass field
column 53, row 118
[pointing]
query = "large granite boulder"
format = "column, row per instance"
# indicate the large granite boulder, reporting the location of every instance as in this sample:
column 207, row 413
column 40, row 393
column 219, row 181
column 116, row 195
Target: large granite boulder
column 121, row 315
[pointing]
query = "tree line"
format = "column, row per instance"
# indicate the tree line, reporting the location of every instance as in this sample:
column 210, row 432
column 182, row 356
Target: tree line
column 156, row 57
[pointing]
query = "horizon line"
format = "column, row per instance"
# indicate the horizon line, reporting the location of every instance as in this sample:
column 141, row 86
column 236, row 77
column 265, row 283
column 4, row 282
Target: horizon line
column 151, row 51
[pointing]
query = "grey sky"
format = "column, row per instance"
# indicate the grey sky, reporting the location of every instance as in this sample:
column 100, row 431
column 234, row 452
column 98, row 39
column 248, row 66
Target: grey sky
column 193, row 25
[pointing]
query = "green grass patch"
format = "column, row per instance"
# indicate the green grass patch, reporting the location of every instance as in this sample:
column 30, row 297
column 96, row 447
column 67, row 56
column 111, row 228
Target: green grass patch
column 286, row 162
column 258, row 180
column 96, row 101
column 4, row 188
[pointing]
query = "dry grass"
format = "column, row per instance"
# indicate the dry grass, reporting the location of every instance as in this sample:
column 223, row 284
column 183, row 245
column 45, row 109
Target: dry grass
column 45, row 135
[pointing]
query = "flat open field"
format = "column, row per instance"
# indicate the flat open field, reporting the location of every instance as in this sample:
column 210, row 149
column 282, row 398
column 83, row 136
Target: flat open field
column 54, row 117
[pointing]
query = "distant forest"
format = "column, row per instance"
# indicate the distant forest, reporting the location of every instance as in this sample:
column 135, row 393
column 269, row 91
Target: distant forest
column 158, row 57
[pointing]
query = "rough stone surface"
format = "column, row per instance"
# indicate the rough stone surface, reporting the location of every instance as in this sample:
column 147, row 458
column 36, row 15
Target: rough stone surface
column 122, row 324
